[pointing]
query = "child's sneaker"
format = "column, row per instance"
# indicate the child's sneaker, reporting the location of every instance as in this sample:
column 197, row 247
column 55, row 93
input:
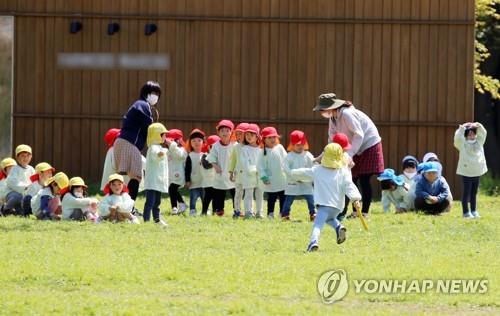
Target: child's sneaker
column 192, row 213
column 220, row 213
column 248, row 215
column 468, row 215
column 270, row 215
column 134, row 220
column 161, row 223
column 182, row 208
column 312, row 217
column 260, row 215
column 340, row 230
column 475, row 214
column 175, row 211
column 285, row 218
column 136, row 212
column 236, row 214
column 313, row 246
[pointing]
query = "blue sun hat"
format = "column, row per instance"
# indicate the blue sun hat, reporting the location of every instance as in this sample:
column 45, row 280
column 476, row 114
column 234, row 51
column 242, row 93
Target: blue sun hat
column 390, row 174
column 429, row 166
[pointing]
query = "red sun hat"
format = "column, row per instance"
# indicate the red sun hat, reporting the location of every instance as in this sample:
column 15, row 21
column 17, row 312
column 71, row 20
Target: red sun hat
column 225, row 123
column 269, row 132
column 175, row 134
column 242, row 127
column 253, row 128
column 110, row 136
column 212, row 139
column 342, row 140
column 298, row 138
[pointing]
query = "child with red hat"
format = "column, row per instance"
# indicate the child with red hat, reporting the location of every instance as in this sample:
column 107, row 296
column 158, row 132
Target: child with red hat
column 176, row 163
column 271, row 169
column 208, row 175
column 298, row 157
column 235, row 167
column 193, row 169
column 219, row 157
column 249, row 157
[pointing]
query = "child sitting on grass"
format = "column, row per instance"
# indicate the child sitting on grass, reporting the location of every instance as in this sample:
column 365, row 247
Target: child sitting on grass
column 46, row 204
column 76, row 205
column 117, row 205
column 6, row 166
column 18, row 181
column 394, row 191
column 432, row 190
column 332, row 182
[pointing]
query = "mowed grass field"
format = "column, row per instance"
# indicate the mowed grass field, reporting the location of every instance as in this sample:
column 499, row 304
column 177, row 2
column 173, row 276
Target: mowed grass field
column 220, row 266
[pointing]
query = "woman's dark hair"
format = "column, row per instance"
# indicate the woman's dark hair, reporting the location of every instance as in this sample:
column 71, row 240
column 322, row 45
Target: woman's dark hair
column 148, row 88
column 345, row 105
column 468, row 130
column 387, row 184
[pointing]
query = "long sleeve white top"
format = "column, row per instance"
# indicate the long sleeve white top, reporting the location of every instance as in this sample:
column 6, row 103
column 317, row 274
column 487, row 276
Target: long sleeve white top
column 271, row 167
column 471, row 161
column 176, row 159
column 123, row 201
column 18, row 179
column 398, row 198
column 157, row 175
column 70, row 203
column 295, row 161
column 220, row 155
column 249, row 158
column 358, row 127
column 330, row 185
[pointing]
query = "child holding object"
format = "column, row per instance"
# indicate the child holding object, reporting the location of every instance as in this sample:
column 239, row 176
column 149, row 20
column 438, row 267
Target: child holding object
column 331, row 184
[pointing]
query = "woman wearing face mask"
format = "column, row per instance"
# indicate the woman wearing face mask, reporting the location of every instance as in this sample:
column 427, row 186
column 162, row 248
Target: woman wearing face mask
column 366, row 145
column 469, row 140
column 133, row 134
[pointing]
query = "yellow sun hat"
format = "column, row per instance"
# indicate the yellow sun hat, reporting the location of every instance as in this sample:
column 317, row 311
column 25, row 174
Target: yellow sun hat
column 154, row 133
column 333, row 157
column 61, row 179
column 23, row 149
column 114, row 177
column 7, row 162
column 77, row 182
column 43, row 166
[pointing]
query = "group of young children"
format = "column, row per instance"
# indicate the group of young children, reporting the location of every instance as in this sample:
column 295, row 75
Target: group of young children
column 246, row 163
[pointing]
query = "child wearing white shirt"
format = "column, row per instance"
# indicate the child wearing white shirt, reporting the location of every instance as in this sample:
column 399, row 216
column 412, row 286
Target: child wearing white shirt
column 219, row 157
column 76, row 205
column 271, row 170
column 331, row 183
column 46, row 204
column 298, row 157
column 6, row 166
column 44, row 172
column 176, row 163
column 394, row 191
column 18, row 181
column 249, row 157
column 235, row 168
column 193, row 171
column 117, row 205
column 208, row 175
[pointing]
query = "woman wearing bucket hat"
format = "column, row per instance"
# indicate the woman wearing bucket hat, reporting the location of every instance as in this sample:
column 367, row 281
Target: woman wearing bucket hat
column 366, row 145
column 133, row 134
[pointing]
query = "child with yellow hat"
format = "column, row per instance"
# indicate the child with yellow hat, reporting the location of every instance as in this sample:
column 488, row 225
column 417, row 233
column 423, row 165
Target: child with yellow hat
column 332, row 182
column 44, row 172
column 117, row 205
column 18, row 181
column 45, row 205
column 156, row 177
column 76, row 205
column 5, row 166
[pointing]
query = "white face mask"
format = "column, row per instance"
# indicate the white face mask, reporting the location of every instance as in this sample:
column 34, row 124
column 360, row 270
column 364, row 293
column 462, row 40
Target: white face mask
column 471, row 141
column 410, row 175
column 326, row 114
column 78, row 194
column 152, row 99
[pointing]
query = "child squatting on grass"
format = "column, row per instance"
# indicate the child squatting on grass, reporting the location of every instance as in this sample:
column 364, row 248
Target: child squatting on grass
column 331, row 184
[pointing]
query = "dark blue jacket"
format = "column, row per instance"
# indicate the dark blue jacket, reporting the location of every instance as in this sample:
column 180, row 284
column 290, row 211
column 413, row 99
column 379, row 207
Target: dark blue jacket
column 136, row 122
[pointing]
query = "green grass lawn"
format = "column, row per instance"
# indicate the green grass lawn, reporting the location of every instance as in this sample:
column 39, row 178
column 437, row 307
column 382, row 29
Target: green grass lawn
column 221, row 266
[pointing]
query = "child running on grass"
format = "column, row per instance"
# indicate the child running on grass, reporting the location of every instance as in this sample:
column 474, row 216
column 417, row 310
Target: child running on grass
column 332, row 182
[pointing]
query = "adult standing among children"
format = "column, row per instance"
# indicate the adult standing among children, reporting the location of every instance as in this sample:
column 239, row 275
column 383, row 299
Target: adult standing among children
column 133, row 135
column 366, row 143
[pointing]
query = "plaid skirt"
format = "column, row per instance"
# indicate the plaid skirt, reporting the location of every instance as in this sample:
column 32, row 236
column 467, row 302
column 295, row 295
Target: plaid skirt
column 371, row 161
column 128, row 159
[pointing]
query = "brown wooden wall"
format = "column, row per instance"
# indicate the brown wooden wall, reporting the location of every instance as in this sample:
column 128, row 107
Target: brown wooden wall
column 408, row 64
